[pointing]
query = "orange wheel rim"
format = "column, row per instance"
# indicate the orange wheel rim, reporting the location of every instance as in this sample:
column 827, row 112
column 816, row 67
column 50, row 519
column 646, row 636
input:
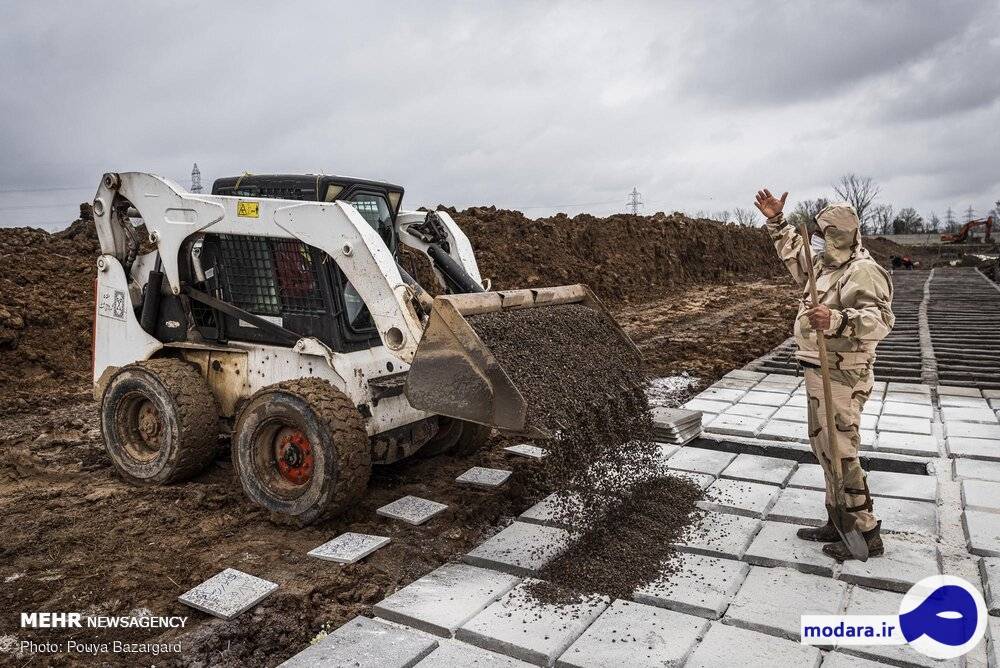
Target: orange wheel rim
column 294, row 457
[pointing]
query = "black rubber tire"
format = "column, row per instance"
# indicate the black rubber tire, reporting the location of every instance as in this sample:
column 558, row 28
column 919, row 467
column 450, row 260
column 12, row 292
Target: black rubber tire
column 456, row 437
column 188, row 421
column 338, row 442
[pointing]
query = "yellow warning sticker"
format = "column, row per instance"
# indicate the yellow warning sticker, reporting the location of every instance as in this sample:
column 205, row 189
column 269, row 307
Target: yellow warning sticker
column 248, row 209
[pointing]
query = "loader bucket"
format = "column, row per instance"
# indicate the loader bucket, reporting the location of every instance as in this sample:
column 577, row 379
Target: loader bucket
column 454, row 373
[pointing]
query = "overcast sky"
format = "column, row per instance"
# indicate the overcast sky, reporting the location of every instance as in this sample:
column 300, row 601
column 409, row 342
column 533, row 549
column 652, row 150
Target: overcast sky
column 538, row 106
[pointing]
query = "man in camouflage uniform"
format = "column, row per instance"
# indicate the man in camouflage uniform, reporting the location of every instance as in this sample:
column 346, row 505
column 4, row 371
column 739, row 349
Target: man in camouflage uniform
column 854, row 314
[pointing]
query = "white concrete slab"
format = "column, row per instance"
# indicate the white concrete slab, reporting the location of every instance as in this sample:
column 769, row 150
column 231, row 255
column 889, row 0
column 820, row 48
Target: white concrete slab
column 956, row 391
column 799, row 506
column 366, row 643
column 750, row 410
column 758, row 468
column 904, row 563
column 907, row 398
column 777, row 545
column 445, row 598
column 910, row 388
column 733, row 384
column 775, row 399
column 707, row 406
column 633, row 634
column 777, row 430
column 556, row 510
column 792, row 414
column 726, row 645
column 982, row 531
column 718, row 394
column 907, row 444
column 526, row 450
column 798, row 400
column 868, row 422
column 963, row 402
column 772, row 600
column 521, row 627
column 973, row 430
column 782, row 379
column 702, row 480
column 901, row 409
column 808, row 476
column 981, row 495
column 228, row 594
column 977, row 470
column 452, row 654
column 483, row 477
column 989, row 570
column 743, row 374
column 903, row 485
column 700, row 460
column 698, row 585
column 735, row 425
column 739, row 497
column 778, row 388
column 907, row 425
column 520, row 549
column 412, row 509
column 974, row 448
column 349, row 547
column 840, row 660
column 872, row 408
column 719, row 535
column 984, row 415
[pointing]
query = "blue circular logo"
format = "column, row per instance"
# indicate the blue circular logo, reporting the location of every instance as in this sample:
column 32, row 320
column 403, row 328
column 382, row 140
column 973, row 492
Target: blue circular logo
column 943, row 616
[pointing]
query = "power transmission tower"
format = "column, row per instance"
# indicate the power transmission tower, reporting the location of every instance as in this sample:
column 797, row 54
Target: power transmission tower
column 634, row 200
column 970, row 213
column 196, row 179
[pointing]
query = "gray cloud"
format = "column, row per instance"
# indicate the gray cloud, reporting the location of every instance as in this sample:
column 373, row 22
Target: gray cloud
column 525, row 105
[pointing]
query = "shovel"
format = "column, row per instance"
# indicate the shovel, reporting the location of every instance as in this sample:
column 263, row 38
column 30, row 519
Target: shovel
column 842, row 520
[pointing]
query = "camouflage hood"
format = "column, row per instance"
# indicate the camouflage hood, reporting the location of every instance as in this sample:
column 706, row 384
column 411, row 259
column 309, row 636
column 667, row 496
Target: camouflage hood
column 841, row 228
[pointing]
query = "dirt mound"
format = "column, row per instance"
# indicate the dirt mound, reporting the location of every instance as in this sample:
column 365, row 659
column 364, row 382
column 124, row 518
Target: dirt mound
column 622, row 258
column 46, row 307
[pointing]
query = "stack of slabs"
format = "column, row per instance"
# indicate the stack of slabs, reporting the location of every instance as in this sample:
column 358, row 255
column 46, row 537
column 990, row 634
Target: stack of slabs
column 676, row 425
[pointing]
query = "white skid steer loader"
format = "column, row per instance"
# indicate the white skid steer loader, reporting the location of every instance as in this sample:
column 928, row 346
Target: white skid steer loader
column 276, row 308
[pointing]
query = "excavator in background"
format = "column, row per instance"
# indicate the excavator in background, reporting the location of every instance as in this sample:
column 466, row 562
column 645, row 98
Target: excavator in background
column 965, row 233
column 276, row 310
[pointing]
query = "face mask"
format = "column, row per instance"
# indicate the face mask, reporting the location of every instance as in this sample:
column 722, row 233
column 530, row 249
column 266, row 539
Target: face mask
column 818, row 244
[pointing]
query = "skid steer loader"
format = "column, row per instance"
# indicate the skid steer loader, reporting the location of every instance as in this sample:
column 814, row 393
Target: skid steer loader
column 276, row 309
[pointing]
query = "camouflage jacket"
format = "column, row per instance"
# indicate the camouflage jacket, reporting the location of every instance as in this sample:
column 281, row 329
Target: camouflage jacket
column 856, row 289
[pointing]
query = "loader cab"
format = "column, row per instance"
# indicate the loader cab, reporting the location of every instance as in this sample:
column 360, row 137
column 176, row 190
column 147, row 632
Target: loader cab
column 286, row 281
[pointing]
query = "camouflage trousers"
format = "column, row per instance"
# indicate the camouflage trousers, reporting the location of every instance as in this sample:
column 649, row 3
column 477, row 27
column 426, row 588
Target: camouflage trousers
column 850, row 389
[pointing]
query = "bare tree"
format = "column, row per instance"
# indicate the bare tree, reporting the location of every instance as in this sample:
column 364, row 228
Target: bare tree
column 859, row 191
column 880, row 219
column 806, row 211
column 907, row 221
column 933, row 223
column 746, row 217
column 722, row 216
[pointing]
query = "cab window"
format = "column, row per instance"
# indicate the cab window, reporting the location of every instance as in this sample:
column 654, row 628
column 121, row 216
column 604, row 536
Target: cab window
column 374, row 209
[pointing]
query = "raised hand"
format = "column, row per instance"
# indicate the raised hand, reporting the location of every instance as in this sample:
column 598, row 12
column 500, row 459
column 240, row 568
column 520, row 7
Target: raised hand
column 768, row 204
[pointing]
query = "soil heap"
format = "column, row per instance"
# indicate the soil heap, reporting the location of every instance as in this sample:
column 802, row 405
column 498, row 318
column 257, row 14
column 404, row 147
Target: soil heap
column 582, row 382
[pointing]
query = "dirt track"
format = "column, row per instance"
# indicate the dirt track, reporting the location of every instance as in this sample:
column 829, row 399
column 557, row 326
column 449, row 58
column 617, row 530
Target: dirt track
column 77, row 538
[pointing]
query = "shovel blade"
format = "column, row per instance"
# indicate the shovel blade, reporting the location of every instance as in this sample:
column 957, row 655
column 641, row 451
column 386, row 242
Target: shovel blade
column 844, row 523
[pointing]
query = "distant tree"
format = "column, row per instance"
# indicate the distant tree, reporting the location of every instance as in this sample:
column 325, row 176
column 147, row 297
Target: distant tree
column 907, row 221
column 933, row 223
column 860, row 191
column 747, row 217
column 806, row 211
column 722, row 216
column 880, row 219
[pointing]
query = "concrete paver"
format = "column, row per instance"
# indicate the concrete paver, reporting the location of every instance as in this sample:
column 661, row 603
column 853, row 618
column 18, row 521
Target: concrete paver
column 742, row 374
column 750, row 410
column 907, row 444
column 907, row 410
column 989, row 570
column 907, row 425
column 978, row 470
column 521, row 627
column 778, row 430
column 699, row 585
column 777, row 388
column 863, row 601
column 720, row 394
column 633, row 634
column 982, row 531
column 782, row 379
column 486, row 478
column 984, row 415
column 872, row 408
column 735, row 425
column 956, row 391
column 973, row 430
column 809, row 476
column 910, row 388
column 733, row 384
column 707, row 406
column 798, row 400
column 772, row 600
column 526, row 450
column 963, row 402
column 720, row 535
column 366, row 643
column 808, row 507
column 904, row 563
column 739, row 497
column 907, row 398
column 974, row 448
column 791, row 414
column 520, row 549
column 700, row 460
column 777, row 545
column 412, row 509
column 445, row 598
column 799, row 506
column 451, row 654
column 981, row 495
column 840, row 660
column 349, row 547
column 765, row 398
column 228, row 594
column 726, row 645
column 702, row 480
column 757, row 468
column 548, row 511
column 903, row 485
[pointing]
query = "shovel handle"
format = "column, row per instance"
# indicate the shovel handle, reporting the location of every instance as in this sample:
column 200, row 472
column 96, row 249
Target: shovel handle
column 824, row 368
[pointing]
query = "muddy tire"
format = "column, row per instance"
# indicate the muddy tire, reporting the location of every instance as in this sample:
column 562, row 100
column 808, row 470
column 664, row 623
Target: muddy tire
column 301, row 451
column 456, row 437
column 160, row 421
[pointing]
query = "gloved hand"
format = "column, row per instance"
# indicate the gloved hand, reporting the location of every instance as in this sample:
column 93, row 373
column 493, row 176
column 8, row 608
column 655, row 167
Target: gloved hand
column 820, row 317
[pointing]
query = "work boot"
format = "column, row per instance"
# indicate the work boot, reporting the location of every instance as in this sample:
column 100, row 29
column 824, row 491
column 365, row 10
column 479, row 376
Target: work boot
column 824, row 534
column 840, row 551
